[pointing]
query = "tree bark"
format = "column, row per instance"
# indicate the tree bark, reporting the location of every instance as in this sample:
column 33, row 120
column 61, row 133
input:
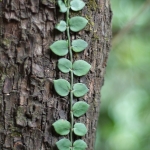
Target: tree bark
column 28, row 103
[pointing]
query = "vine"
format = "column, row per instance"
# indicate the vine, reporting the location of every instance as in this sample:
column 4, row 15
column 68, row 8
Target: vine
column 77, row 68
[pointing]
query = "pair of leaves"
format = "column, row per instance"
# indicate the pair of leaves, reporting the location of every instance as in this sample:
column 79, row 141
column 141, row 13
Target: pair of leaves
column 75, row 23
column 60, row 47
column 62, row 87
column 65, row 144
column 75, row 5
column 79, row 67
column 63, row 127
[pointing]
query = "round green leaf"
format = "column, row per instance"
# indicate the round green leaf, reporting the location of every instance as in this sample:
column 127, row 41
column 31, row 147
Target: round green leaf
column 79, row 89
column 60, row 47
column 61, row 26
column 77, row 5
column 64, row 65
column 79, row 145
column 81, row 67
column 79, row 45
column 80, row 129
column 64, row 144
column 62, row 87
column 77, row 23
column 80, row 108
column 62, row 6
column 62, row 127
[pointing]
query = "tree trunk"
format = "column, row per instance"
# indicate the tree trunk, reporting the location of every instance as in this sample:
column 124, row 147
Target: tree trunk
column 28, row 103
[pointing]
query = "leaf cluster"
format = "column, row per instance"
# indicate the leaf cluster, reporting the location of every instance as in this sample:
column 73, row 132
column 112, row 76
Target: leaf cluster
column 77, row 68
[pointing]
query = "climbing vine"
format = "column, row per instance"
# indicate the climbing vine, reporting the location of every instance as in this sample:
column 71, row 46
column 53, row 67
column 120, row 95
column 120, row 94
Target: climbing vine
column 75, row 68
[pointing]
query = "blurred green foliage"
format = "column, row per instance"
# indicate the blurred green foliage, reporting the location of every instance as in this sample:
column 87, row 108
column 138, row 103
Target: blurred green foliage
column 124, row 122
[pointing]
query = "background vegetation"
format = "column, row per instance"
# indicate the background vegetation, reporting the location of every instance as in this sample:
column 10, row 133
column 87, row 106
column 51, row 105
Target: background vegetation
column 124, row 122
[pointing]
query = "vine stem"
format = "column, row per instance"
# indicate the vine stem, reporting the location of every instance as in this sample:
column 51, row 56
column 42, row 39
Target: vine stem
column 71, row 72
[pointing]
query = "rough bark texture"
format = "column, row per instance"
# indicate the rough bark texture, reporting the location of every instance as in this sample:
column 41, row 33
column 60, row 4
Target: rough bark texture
column 28, row 103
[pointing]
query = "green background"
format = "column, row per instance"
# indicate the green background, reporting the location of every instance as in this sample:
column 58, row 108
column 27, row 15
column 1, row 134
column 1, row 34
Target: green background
column 124, row 121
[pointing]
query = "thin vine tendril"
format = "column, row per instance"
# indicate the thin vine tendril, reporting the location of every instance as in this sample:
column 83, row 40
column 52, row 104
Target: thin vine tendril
column 71, row 72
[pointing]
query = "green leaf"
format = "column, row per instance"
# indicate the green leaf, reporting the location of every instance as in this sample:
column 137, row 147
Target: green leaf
column 62, row 127
column 80, row 129
column 79, row 45
column 61, row 26
column 77, row 23
column 60, row 47
column 81, row 67
column 62, row 87
column 79, row 145
column 62, row 6
column 79, row 89
column 77, row 5
column 80, row 108
column 64, row 144
column 64, row 65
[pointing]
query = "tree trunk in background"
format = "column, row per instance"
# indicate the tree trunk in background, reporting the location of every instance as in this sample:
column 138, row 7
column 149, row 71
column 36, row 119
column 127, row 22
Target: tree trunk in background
column 28, row 103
